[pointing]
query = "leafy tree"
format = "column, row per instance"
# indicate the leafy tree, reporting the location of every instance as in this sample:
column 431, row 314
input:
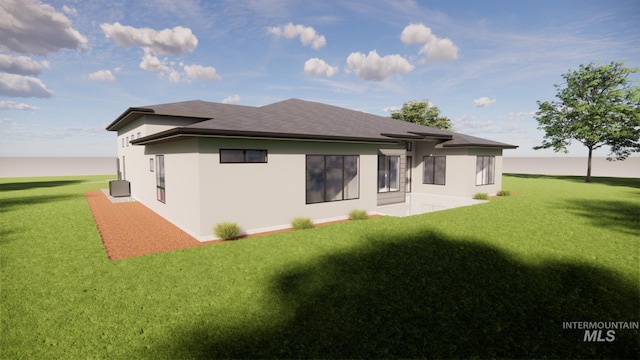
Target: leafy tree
column 422, row 112
column 598, row 107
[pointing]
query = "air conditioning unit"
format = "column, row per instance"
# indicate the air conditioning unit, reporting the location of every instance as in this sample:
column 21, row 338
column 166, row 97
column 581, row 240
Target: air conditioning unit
column 119, row 188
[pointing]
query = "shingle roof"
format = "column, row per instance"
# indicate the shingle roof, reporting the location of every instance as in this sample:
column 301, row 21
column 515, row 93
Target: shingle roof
column 291, row 118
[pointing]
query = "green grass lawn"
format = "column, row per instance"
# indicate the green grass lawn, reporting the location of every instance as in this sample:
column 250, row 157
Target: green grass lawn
column 486, row 281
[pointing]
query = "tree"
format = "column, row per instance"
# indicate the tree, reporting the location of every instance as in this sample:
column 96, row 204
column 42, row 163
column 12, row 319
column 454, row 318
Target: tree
column 422, row 112
column 598, row 107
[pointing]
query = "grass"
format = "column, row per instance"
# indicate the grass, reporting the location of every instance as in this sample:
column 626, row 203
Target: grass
column 485, row 281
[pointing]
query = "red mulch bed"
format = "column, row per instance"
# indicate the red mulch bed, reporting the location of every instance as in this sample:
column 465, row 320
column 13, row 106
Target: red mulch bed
column 131, row 229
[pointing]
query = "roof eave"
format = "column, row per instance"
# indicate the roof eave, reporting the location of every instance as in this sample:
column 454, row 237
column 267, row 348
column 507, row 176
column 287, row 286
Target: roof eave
column 127, row 116
column 175, row 133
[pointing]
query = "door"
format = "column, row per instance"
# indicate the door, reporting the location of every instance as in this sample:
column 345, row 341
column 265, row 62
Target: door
column 408, row 166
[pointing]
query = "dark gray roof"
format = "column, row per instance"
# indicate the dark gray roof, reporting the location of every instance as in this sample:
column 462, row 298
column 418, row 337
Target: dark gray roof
column 293, row 118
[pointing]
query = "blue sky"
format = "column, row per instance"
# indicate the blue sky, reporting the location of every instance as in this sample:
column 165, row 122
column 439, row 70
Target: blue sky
column 69, row 68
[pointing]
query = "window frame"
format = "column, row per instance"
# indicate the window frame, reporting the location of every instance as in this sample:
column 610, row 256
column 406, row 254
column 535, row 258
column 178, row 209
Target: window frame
column 245, row 157
column 151, row 162
column 387, row 173
column 432, row 168
column 161, row 194
column 486, row 174
column 344, row 171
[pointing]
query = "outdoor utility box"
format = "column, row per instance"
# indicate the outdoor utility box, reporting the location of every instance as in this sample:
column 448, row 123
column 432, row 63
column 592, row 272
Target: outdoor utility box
column 119, row 188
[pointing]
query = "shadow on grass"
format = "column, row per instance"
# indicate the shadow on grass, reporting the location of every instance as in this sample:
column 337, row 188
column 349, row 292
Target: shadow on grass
column 425, row 295
column 613, row 181
column 8, row 204
column 36, row 184
column 623, row 216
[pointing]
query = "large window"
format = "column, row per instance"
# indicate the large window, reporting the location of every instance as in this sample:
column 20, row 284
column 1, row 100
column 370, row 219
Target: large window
column 388, row 173
column 332, row 178
column 160, row 191
column 435, row 169
column 230, row 156
column 485, row 170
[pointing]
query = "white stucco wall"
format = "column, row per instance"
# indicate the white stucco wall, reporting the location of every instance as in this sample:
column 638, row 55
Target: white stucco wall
column 460, row 178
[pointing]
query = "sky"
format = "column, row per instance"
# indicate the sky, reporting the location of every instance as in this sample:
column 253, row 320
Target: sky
column 69, row 68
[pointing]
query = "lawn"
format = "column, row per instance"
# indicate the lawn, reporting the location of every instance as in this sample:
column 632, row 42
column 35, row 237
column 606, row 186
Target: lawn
column 487, row 281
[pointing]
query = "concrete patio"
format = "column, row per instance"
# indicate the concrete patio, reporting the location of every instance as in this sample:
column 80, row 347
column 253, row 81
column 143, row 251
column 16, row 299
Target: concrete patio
column 416, row 204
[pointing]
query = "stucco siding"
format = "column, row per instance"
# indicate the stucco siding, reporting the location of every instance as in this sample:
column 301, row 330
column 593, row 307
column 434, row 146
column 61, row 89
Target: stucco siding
column 267, row 196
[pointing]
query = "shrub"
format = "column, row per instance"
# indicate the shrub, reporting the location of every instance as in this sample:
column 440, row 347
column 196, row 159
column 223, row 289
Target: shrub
column 227, row 230
column 481, row 196
column 504, row 193
column 358, row 215
column 301, row 223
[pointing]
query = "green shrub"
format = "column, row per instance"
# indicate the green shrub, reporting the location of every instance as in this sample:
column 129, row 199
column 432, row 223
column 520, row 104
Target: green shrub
column 301, row 223
column 227, row 230
column 504, row 193
column 358, row 215
column 481, row 196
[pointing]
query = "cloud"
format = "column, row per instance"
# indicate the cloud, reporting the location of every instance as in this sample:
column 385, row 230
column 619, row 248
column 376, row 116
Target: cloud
column 69, row 10
column 318, row 67
column 390, row 109
column 374, row 67
column 20, row 65
column 176, row 41
column 483, row 101
column 102, row 75
column 434, row 48
column 307, row 35
column 232, row 99
column 22, row 86
column 152, row 63
column 518, row 115
column 12, row 105
column 30, row 27
column 199, row 72
column 470, row 125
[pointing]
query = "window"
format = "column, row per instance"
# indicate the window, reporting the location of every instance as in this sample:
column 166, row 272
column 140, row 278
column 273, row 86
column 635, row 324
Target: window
column 388, row 173
column 138, row 135
column 127, row 141
column 485, row 170
column 435, row 168
column 409, row 146
column 332, row 178
column 160, row 189
column 151, row 164
column 123, row 142
column 230, row 156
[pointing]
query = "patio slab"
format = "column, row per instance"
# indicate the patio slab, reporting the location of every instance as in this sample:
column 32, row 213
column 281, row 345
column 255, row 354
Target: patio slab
column 416, row 204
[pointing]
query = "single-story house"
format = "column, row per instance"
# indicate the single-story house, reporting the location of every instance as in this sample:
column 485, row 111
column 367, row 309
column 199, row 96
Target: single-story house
column 198, row 163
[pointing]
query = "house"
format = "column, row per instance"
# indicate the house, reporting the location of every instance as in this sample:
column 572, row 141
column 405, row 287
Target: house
column 199, row 163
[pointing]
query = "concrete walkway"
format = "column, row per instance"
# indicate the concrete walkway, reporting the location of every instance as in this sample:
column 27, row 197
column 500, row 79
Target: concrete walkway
column 423, row 203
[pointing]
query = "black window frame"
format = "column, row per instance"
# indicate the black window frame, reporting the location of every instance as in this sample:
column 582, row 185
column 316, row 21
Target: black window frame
column 387, row 172
column 345, row 197
column 245, row 157
column 161, row 192
column 436, row 179
column 490, row 172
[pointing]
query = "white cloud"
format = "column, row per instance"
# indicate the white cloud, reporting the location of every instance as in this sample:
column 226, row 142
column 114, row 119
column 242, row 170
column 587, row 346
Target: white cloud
column 232, row 99
column 518, row 115
column 434, row 48
column 176, row 41
column 21, row 65
column 199, row 72
column 12, row 105
column 470, row 125
column 102, row 75
column 174, row 76
column 374, row 67
column 69, row 10
column 22, row 86
column 30, row 27
column 152, row 63
column 307, row 35
column 318, row 67
column 390, row 109
column 483, row 101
